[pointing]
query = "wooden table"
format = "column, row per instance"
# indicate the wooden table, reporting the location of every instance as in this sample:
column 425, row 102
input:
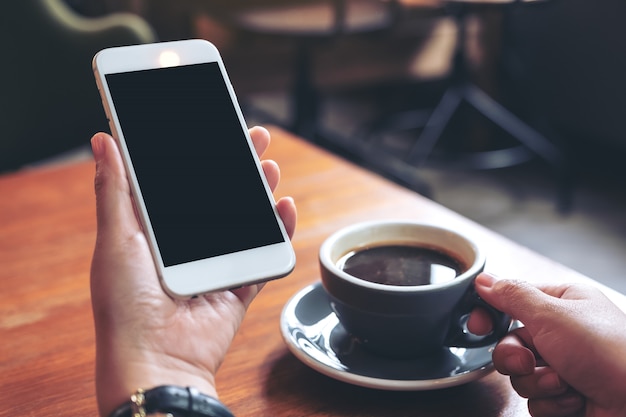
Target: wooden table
column 47, row 232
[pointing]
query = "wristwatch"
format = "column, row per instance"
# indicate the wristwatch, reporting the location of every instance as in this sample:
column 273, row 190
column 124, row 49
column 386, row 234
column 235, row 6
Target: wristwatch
column 170, row 399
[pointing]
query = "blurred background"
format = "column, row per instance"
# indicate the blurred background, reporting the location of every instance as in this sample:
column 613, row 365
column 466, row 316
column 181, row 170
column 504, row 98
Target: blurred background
column 508, row 112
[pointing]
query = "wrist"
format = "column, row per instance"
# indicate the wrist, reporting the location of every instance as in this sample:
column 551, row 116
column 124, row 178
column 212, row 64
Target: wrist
column 120, row 374
column 172, row 400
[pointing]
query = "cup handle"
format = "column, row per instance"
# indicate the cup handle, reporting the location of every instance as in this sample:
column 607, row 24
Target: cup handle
column 459, row 336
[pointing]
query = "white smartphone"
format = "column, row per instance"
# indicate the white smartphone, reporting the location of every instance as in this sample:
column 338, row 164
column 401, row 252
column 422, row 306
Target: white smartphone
column 198, row 186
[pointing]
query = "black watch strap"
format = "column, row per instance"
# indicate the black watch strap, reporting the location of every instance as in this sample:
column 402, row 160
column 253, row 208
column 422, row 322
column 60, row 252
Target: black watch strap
column 183, row 401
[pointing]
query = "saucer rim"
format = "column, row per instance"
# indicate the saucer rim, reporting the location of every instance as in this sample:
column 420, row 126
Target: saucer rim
column 369, row 381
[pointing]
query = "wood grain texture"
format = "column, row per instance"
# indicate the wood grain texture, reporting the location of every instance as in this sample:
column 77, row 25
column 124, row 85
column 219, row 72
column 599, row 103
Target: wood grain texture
column 47, row 233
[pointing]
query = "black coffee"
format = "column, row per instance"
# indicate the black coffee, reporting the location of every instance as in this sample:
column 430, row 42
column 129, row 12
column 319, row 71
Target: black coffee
column 402, row 265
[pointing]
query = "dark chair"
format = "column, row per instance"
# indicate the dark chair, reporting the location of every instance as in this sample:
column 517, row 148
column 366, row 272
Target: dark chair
column 48, row 98
column 461, row 90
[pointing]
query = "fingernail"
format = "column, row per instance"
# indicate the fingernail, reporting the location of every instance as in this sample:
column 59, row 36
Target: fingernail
column 571, row 401
column 486, row 280
column 97, row 146
column 514, row 365
column 520, row 363
column 550, row 382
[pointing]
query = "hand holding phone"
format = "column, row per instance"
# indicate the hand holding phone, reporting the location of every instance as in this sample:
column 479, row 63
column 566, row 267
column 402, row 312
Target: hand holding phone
column 197, row 183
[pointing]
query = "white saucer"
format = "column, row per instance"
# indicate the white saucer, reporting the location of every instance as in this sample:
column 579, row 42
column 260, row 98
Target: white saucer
column 313, row 334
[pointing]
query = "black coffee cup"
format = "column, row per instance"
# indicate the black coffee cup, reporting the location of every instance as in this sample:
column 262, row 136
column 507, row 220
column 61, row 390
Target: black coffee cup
column 377, row 277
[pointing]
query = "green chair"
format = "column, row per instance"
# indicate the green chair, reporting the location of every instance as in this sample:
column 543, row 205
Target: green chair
column 49, row 102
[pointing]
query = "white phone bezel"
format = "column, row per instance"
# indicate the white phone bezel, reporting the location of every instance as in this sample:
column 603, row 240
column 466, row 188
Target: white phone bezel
column 212, row 274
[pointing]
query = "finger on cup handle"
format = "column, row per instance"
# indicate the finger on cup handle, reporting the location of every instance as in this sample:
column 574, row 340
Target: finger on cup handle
column 480, row 321
column 514, row 355
column 512, row 296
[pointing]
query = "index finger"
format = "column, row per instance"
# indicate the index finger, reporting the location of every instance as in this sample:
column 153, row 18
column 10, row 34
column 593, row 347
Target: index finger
column 515, row 354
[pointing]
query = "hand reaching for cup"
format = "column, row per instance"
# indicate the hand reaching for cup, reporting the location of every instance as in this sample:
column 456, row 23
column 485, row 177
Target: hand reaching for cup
column 143, row 337
column 569, row 359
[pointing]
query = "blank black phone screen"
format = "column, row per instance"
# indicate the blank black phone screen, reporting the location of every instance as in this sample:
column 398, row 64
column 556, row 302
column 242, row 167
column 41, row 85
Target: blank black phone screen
column 198, row 178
